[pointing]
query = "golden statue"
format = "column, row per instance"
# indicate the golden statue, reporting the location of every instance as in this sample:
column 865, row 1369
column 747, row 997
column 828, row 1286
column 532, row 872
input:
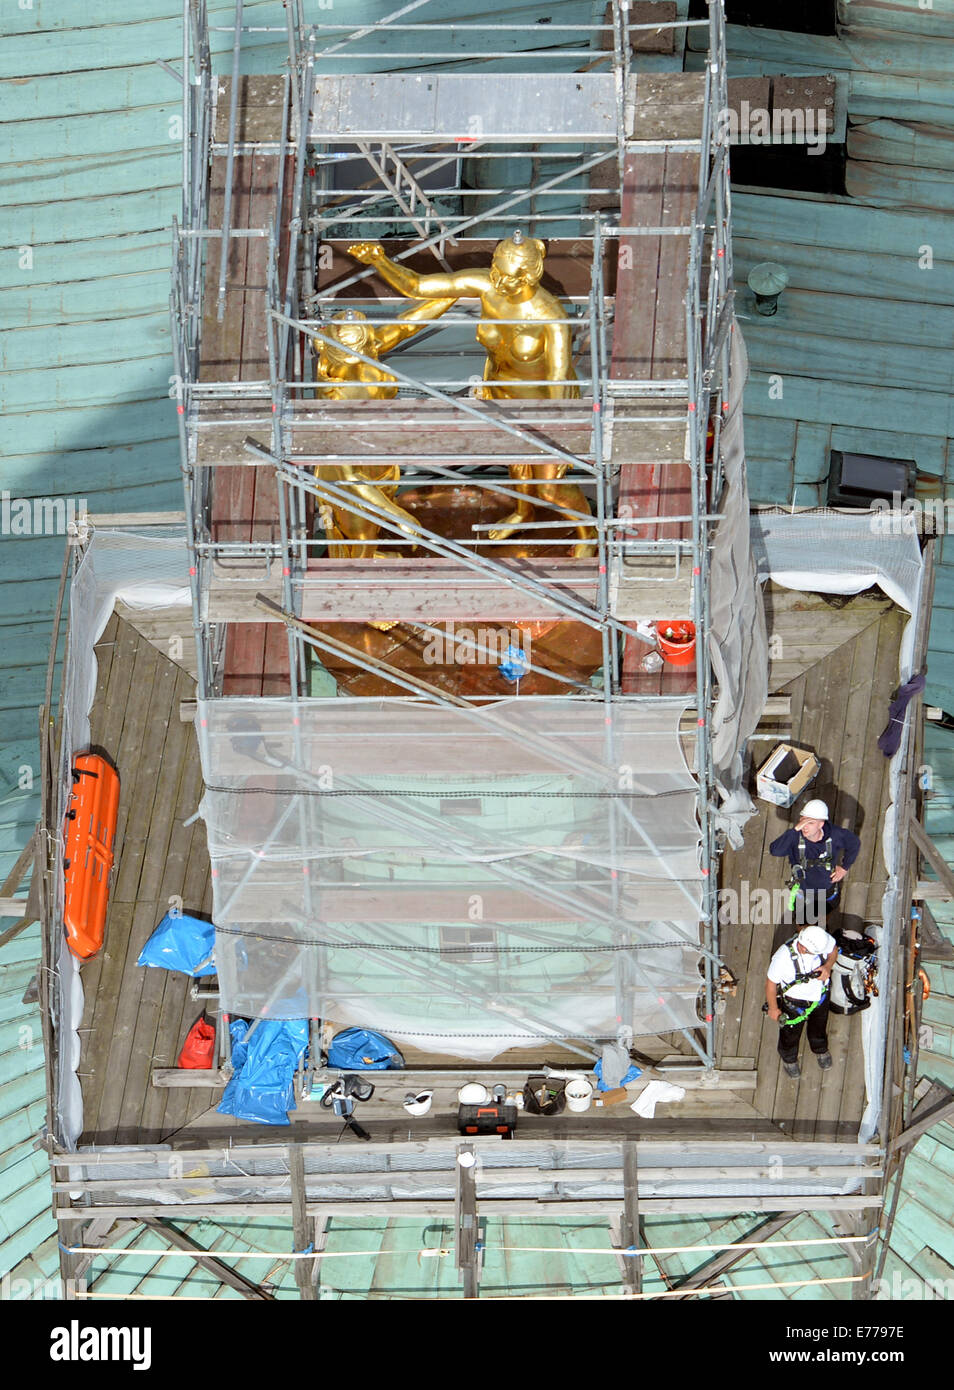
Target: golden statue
column 354, row 537
column 356, row 380
column 519, row 355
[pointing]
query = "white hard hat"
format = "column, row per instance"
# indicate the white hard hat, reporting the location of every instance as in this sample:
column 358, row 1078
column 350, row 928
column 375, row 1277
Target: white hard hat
column 418, row 1103
column 473, row 1093
column 815, row 810
column 814, row 939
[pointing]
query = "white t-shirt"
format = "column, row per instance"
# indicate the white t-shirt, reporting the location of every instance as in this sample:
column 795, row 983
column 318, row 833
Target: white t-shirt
column 782, row 970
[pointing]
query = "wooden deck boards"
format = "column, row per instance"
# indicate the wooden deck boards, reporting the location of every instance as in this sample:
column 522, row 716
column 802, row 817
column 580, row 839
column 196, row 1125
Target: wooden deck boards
column 649, row 342
column 839, row 708
column 136, row 1018
column 245, row 500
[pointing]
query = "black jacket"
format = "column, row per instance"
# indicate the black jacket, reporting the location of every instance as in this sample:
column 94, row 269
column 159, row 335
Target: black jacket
column 843, row 843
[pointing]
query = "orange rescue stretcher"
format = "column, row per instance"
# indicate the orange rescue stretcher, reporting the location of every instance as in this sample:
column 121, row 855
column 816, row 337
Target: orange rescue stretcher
column 88, row 856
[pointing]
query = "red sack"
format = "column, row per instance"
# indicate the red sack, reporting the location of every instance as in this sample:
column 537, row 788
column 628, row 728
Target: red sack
column 199, row 1046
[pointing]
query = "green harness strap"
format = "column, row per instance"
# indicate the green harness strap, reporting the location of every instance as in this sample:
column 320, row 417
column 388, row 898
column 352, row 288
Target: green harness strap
column 786, row 1022
column 800, row 1018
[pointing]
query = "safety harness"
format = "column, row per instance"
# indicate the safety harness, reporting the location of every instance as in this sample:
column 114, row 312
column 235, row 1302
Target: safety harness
column 825, row 860
column 781, row 990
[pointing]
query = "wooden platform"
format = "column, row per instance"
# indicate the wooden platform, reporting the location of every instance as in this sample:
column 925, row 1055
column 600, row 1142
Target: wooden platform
column 245, row 500
column 136, row 1018
column 660, row 189
column 839, row 707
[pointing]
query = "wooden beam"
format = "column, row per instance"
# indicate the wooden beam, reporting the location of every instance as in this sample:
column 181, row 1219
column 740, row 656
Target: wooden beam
column 715, row 1268
column 136, row 518
column 629, row 1230
column 867, row 1252
column 934, row 1095
column 25, row 909
column 666, row 1151
column 12, row 907
column 97, row 1233
column 938, row 1113
column 321, row 1237
column 466, row 1227
column 411, row 591
column 183, row 1076
column 850, row 1225
column 932, row 854
column 515, row 1206
column 14, row 878
column 207, row 1260
column 302, row 1230
column 926, row 890
column 934, row 944
column 489, row 1178
column 15, row 930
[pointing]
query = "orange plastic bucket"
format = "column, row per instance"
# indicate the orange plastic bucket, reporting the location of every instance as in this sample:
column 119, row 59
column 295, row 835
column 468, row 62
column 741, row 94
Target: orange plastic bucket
column 677, row 642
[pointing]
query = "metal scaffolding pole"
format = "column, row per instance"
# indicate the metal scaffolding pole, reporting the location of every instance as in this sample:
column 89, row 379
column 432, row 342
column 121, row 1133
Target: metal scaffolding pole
column 709, row 251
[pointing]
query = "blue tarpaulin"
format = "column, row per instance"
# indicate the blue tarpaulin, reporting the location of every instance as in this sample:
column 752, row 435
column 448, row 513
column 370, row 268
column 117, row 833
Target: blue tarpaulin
column 360, row 1049
column 630, row 1074
column 262, row 1085
column 181, row 943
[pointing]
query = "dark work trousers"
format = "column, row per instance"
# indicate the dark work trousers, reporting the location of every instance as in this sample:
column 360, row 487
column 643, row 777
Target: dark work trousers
column 815, row 907
column 790, row 1036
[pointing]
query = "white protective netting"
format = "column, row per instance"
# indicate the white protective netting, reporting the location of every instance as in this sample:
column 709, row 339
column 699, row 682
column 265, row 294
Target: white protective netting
column 468, row 880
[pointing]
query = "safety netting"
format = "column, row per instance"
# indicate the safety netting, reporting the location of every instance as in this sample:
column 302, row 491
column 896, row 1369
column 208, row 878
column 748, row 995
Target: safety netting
column 464, row 879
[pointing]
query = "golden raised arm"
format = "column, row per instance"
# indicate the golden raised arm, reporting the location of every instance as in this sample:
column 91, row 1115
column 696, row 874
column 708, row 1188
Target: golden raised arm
column 456, row 284
column 410, row 322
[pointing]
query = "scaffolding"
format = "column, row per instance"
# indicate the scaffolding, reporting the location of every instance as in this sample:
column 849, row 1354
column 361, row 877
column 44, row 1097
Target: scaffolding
column 354, row 157
column 604, row 888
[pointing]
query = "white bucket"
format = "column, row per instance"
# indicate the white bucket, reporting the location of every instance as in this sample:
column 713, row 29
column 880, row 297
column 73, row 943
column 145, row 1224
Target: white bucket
column 579, row 1093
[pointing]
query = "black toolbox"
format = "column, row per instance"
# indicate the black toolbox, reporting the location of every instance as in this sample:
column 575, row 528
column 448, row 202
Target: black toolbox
column 490, row 1118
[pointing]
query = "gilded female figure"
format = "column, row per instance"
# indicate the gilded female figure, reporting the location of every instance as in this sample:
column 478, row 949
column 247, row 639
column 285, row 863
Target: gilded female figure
column 528, row 356
column 353, row 537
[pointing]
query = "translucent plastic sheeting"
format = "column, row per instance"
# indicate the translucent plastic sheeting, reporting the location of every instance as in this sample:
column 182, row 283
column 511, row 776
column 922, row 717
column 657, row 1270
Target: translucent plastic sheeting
column 738, row 642
column 832, row 552
column 466, row 880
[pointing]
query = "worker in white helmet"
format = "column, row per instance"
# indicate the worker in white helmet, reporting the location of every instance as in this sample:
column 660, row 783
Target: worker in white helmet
column 796, row 995
column 813, row 847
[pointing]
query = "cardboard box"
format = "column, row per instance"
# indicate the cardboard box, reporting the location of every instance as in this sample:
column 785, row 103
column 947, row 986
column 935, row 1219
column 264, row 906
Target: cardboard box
column 785, row 774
